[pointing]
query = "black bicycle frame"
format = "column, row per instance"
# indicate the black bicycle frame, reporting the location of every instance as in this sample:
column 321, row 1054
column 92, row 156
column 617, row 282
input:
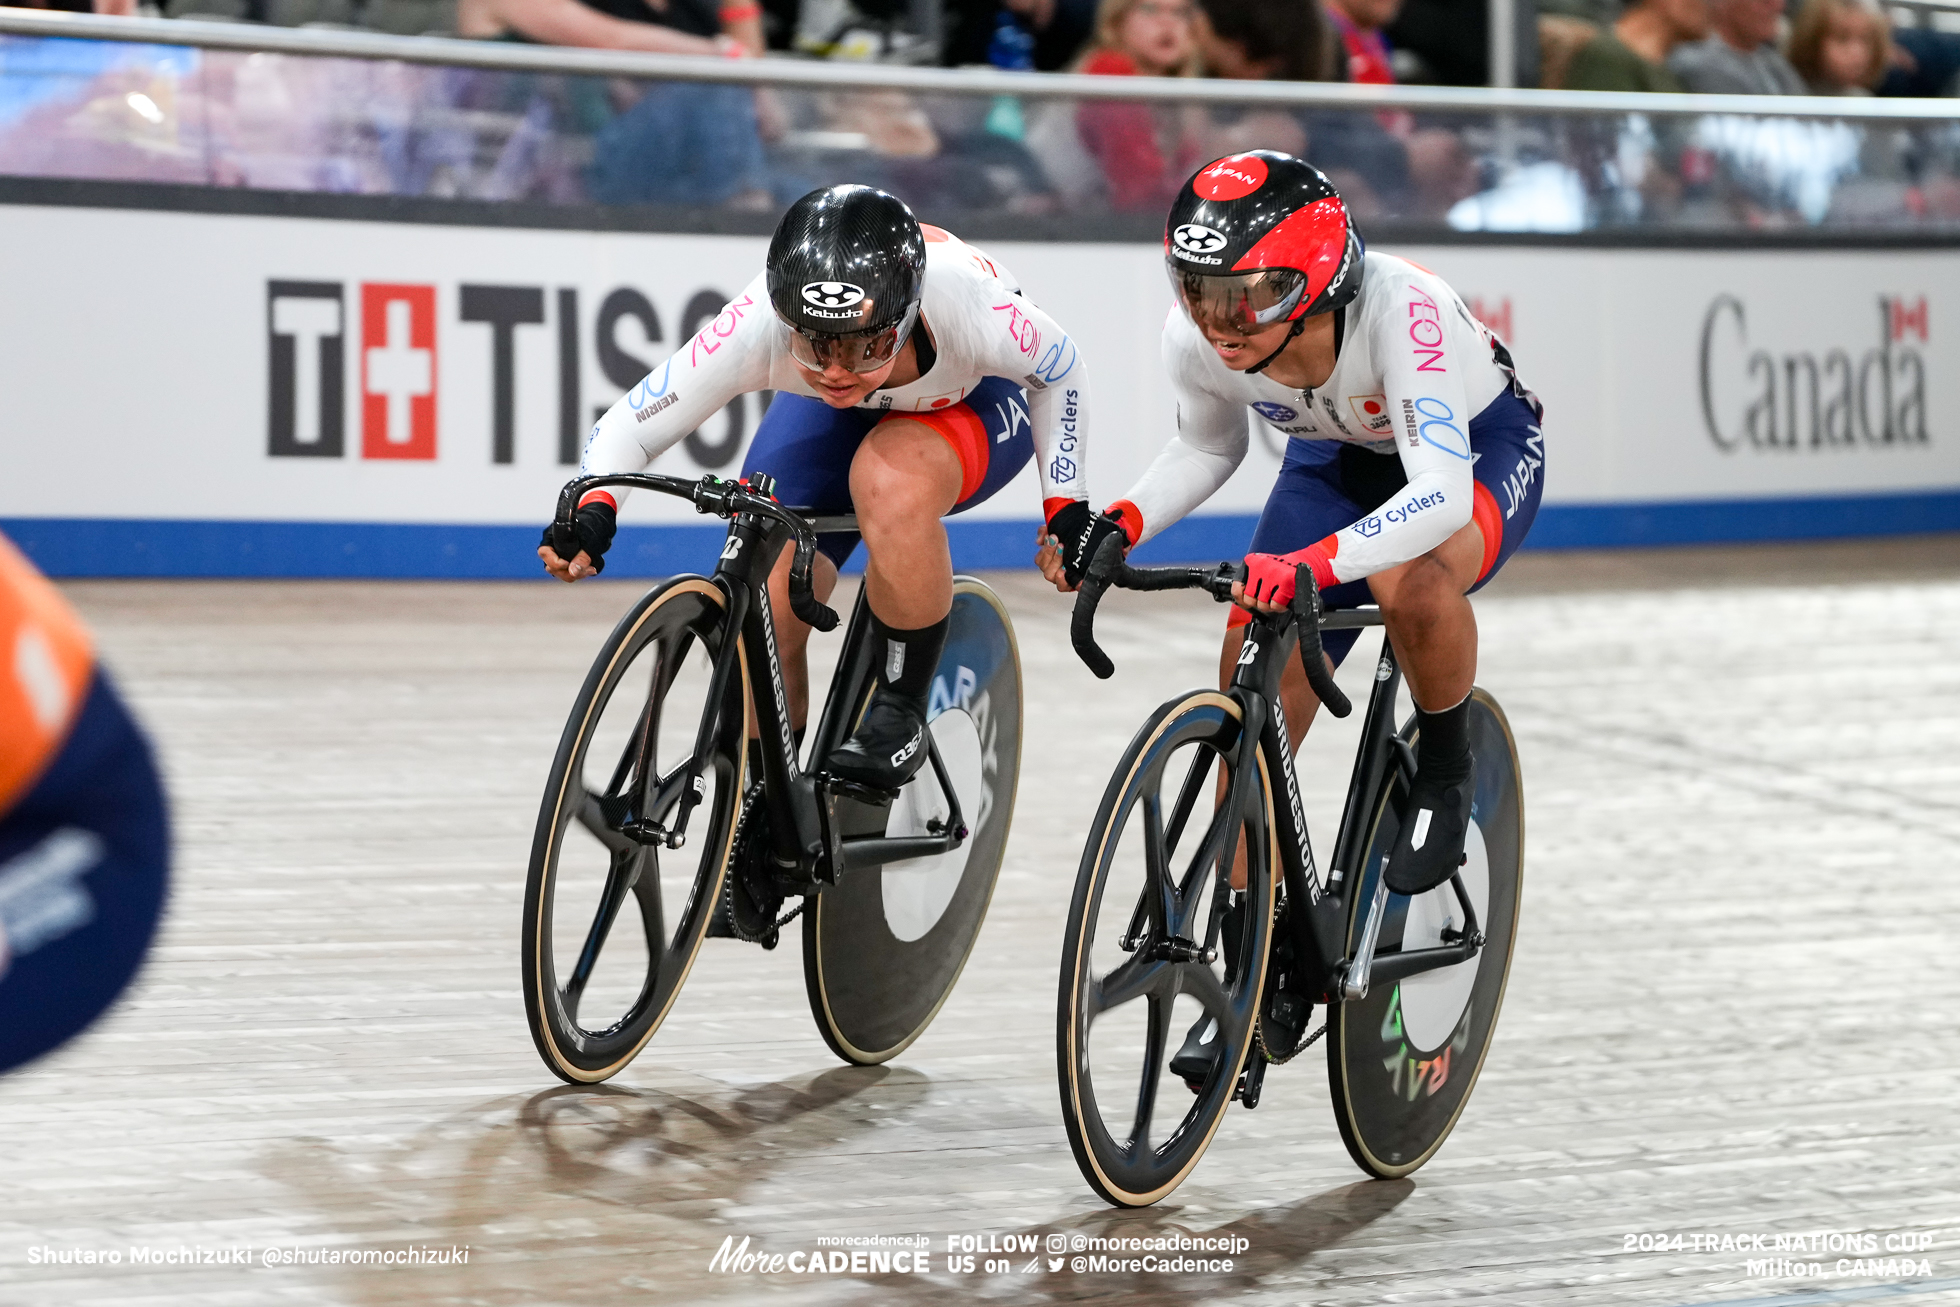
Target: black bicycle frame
column 814, row 820
column 1319, row 911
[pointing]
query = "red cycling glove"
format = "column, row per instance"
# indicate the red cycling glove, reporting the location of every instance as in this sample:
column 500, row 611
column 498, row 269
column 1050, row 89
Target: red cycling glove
column 1269, row 577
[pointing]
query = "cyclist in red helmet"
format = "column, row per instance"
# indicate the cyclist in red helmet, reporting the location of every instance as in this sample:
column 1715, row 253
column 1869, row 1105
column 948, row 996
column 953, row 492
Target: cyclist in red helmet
column 1415, row 461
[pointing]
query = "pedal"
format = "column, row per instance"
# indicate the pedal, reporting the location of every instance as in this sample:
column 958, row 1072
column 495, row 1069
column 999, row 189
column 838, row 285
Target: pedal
column 869, row 795
column 833, row 794
column 1251, row 1081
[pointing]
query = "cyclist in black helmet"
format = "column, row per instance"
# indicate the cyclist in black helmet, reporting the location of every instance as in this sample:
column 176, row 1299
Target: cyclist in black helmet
column 914, row 381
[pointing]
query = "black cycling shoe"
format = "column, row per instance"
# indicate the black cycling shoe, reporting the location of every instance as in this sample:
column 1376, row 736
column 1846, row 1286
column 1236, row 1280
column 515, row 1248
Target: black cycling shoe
column 1199, row 1054
column 1429, row 848
column 889, row 745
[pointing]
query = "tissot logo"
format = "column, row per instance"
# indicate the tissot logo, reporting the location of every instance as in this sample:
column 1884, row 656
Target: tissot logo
column 832, row 294
column 1195, row 239
column 398, row 371
column 395, row 373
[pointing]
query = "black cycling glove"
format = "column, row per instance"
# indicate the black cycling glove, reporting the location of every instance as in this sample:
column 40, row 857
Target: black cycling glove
column 592, row 531
column 1081, row 535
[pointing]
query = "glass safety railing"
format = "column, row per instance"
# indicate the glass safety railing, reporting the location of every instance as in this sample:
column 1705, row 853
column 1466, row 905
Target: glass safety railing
column 693, row 141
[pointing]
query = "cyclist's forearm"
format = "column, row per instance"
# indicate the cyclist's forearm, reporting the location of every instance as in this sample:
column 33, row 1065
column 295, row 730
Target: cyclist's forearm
column 1433, row 507
column 1182, row 477
column 726, row 358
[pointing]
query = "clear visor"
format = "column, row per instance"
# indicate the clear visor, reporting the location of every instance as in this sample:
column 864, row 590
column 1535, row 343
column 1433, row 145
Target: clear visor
column 1240, row 303
column 855, row 351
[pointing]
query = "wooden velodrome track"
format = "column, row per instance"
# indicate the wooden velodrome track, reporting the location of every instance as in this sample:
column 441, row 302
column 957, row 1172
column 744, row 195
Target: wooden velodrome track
column 1733, row 1010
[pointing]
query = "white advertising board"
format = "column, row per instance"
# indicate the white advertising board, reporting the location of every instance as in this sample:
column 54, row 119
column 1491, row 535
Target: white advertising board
column 229, row 368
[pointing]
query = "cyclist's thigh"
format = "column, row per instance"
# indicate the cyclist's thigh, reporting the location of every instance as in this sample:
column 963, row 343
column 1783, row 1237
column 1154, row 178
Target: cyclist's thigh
column 1308, row 503
column 1510, row 472
column 807, row 446
column 990, row 432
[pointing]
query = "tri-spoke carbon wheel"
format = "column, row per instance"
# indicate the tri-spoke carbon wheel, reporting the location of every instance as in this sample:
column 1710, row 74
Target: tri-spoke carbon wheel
column 612, row 923
column 1145, row 959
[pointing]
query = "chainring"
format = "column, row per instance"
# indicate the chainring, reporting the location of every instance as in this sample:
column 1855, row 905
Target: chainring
column 1284, row 1009
column 750, row 898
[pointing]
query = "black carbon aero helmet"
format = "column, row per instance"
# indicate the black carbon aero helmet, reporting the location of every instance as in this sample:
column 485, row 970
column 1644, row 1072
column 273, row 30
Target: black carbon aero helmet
column 846, row 269
column 1261, row 238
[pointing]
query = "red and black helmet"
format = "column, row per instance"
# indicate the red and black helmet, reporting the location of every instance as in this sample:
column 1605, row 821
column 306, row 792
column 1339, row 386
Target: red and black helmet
column 1260, row 238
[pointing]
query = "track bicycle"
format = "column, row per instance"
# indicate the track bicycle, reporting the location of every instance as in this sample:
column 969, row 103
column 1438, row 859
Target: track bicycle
column 677, row 807
column 1410, row 986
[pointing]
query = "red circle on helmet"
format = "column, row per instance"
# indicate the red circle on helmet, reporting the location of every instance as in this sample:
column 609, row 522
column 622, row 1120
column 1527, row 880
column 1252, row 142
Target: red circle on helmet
column 1231, row 177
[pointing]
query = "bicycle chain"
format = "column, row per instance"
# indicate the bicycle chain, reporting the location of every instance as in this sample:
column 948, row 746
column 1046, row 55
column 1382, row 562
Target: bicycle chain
column 734, row 882
column 770, row 937
column 1259, row 1021
column 1259, row 1037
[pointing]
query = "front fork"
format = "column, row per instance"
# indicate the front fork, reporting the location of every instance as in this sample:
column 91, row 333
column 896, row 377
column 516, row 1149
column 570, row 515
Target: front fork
column 1317, row 918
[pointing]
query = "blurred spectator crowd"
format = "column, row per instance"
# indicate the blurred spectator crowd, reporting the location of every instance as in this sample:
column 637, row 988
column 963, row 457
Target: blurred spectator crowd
column 303, row 123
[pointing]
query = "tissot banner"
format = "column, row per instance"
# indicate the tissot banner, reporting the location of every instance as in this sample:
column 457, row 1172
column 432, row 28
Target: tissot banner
column 168, row 367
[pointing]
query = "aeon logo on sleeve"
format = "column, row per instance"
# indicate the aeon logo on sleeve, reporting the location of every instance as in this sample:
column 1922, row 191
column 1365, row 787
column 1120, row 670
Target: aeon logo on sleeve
column 398, row 371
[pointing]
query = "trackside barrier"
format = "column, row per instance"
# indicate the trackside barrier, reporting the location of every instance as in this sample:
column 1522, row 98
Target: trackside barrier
column 338, row 303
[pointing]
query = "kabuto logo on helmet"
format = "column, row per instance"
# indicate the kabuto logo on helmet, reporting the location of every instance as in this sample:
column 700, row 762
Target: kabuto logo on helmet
column 832, row 294
column 1230, row 178
column 1197, row 244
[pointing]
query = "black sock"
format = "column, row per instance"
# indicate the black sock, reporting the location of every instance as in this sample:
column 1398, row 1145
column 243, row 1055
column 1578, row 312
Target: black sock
column 907, row 659
column 1443, row 743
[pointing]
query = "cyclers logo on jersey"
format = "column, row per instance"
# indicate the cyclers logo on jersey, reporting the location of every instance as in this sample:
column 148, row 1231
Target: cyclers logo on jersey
column 1197, row 244
column 826, row 295
column 1275, row 413
column 1372, row 525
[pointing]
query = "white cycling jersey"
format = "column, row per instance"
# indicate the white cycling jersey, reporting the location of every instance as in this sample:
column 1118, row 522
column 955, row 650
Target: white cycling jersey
column 1413, row 368
column 981, row 327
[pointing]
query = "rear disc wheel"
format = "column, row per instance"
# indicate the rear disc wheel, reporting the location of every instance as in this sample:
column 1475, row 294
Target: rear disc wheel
column 1402, row 1061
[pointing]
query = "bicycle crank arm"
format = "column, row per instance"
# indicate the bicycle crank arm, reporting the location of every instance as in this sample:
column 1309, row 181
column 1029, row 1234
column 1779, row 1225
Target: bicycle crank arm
column 876, row 850
column 1400, row 966
column 1355, row 983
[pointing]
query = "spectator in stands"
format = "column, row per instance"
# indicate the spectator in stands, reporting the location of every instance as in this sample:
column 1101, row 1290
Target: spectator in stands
column 676, row 143
column 1358, row 24
column 1016, row 34
column 1632, row 55
column 1840, row 47
column 1285, row 40
column 671, row 27
column 1142, row 152
column 1438, row 168
column 1450, row 39
column 119, row 8
column 1265, row 40
column 1740, row 57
